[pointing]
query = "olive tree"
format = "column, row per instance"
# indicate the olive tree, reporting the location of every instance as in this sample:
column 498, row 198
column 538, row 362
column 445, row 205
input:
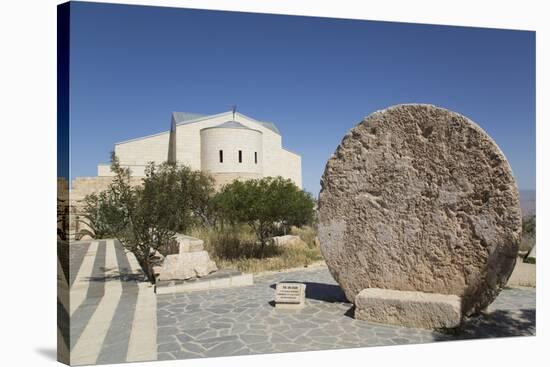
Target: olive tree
column 146, row 217
column 266, row 205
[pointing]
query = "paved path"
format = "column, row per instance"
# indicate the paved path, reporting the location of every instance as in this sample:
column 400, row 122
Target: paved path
column 112, row 309
column 115, row 316
column 243, row 321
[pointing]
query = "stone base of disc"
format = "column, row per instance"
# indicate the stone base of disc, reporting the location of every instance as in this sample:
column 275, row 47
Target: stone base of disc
column 406, row 308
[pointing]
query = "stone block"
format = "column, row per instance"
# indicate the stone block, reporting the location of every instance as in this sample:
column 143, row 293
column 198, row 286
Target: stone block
column 189, row 244
column 186, row 265
column 408, row 308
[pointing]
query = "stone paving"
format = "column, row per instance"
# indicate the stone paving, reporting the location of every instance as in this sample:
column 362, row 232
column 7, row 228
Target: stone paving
column 115, row 316
column 243, row 320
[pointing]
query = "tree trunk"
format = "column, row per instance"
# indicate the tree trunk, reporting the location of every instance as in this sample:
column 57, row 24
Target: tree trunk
column 262, row 246
column 148, row 270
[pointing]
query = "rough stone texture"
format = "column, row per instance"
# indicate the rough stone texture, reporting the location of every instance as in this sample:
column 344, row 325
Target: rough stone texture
column 406, row 308
column 191, row 261
column 186, row 265
column 189, row 244
column 420, row 198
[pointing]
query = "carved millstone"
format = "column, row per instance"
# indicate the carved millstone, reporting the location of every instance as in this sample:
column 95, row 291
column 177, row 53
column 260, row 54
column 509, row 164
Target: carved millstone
column 418, row 198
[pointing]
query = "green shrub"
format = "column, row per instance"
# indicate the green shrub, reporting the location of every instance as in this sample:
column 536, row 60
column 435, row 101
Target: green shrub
column 146, row 218
column 267, row 205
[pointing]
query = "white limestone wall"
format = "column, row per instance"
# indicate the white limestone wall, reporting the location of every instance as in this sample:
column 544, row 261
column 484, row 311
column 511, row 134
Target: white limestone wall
column 275, row 161
column 188, row 144
column 290, row 167
column 139, row 152
column 230, row 141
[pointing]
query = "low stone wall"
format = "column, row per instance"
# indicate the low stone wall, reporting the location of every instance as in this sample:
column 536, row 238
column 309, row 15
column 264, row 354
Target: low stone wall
column 82, row 186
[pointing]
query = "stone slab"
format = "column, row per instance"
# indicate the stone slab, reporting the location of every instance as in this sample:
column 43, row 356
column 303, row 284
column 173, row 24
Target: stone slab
column 290, row 295
column 408, row 308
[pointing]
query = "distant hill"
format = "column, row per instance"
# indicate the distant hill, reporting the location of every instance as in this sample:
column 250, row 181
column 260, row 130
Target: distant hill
column 528, row 202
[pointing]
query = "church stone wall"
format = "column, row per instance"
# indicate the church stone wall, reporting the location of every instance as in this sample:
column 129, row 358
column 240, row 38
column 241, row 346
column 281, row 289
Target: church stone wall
column 230, row 141
column 272, row 161
column 290, row 166
column 139, row 152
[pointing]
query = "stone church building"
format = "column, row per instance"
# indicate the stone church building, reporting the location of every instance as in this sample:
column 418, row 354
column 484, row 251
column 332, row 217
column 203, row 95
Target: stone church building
column 227, row 145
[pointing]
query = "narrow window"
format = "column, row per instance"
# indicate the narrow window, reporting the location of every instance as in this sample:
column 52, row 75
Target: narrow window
column 256, row 157
column 221, row 156
column 240, row 156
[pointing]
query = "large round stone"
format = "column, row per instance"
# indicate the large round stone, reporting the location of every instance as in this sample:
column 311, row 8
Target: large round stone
column 419, row 198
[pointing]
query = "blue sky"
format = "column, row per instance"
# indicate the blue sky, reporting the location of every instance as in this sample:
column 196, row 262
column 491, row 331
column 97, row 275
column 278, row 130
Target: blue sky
column 131, row 66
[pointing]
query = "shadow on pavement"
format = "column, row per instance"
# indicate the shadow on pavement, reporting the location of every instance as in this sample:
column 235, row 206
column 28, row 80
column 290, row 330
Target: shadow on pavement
column 322, row 292
column 499, row 323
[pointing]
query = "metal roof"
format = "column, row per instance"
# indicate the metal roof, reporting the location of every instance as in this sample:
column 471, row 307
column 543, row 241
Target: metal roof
column 186, row 116
column 181, row 118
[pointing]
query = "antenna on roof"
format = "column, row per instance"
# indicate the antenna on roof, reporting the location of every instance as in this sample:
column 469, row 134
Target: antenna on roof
column 234, row 109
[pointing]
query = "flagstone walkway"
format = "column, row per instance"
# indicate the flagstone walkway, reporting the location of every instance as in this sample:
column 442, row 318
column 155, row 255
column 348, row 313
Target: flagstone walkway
column 116, row 317
column 244, row 321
